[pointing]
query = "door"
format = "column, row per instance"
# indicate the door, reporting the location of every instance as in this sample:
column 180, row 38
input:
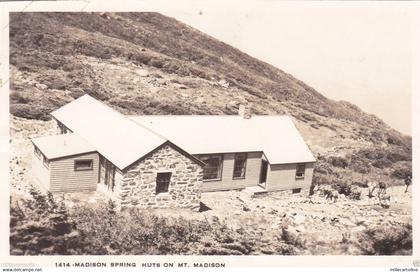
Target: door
column 263, row 174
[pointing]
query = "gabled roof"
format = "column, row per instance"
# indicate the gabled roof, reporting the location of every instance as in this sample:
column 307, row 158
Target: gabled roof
column 116, row 137
column 276, row 136
column 62, row 145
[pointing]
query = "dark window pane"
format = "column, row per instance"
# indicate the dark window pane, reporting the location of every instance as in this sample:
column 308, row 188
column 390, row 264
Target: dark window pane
column 300, row 171
column 162, row 182
column 213, row 166
column 239, row 167
column 83, row 165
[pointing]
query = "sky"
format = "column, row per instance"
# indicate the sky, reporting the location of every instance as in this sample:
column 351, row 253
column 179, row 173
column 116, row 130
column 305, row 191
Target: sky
column 354, row 51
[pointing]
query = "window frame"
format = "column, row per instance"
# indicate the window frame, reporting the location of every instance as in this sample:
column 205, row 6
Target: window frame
column 168, row 183
column 245, row 165
column 220, row 172
column 83, row 160
column 300, row 165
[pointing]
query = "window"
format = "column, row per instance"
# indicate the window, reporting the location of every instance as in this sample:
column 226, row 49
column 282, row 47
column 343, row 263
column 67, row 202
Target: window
column 81, row 165
column 162, row 182
column 239, row 166
column 300, row 171
column 296, row 190
column 213, row 167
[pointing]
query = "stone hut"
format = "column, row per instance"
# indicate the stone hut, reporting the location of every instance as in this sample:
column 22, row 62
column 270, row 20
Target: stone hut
column 167, row 161
column 101, row 149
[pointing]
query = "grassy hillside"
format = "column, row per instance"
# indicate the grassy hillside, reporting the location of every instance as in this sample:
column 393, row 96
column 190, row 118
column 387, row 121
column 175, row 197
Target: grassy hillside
column 147, row 63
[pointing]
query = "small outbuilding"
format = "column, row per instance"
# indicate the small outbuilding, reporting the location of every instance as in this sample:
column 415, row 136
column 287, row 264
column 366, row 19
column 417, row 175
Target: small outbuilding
column 65, row 163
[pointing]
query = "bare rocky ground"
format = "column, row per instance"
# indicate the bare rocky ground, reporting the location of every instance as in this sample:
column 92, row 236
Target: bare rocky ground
column 323, row 225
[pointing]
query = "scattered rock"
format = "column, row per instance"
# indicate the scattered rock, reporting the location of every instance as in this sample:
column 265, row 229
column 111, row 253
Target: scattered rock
column 245, row 208
column 41, row 86
column 300, row 228
column 299, row 219
column 358, row 228
column 142, row 72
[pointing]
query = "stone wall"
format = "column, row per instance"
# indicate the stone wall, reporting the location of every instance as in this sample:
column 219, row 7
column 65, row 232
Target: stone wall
column 138, row 184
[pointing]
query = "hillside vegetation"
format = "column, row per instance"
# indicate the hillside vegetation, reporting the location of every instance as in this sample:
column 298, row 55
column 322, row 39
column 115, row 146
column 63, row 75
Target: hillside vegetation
column 147, row 63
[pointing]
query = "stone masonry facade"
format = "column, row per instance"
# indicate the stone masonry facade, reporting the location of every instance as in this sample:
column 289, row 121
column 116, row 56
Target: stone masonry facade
column 136, row 187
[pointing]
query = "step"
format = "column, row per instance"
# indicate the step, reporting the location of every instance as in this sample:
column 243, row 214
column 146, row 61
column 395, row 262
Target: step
column 255, row 190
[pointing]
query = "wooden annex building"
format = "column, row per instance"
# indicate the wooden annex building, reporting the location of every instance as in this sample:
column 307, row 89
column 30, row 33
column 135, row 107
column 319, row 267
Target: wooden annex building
column 167, row 161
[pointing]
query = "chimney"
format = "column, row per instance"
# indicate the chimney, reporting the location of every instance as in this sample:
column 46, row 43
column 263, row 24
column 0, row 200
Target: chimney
column 245, row 111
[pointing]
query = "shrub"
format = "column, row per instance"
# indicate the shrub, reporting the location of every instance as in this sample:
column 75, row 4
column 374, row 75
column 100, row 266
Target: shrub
column 359, row 166
column 398, row 156
column 355, row 193
column 350, row 190
column 40, row 226
column 29, row 111
column 142, row 58
column 308, row 117
column 402, row 173
column 76, row 92
column 338, row 162
column 382, row 163
column 387, row 240
column 369, row 154
column 157, row 62
column 323, row 168
column 17, row 97
column 342, row 188
column 55, row 83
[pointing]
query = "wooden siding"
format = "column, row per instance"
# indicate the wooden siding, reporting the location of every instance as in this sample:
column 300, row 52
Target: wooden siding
column 40, row 171
column 252, row 174
column 65, row 179
column 283, row 177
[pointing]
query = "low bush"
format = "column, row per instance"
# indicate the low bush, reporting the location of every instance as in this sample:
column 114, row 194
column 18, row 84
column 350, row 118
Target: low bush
column 55, row 83
column 359, row 166
column 338, row 162
column 29, row 111
column 387, row 240
column 18, row 97
column 398, row 156
column 42, row 226
column 350, row 190
column 402, row 173
column 382, row 163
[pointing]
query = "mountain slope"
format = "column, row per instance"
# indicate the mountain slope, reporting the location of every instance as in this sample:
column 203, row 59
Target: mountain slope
column 147, row 63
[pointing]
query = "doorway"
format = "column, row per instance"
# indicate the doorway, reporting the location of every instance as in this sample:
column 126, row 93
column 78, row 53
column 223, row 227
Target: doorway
column 263, row 174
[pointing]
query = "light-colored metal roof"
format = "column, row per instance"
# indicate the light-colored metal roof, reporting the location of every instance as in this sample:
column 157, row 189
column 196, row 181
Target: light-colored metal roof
column 62, row 145
column 276, row 136
column 116, row 137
